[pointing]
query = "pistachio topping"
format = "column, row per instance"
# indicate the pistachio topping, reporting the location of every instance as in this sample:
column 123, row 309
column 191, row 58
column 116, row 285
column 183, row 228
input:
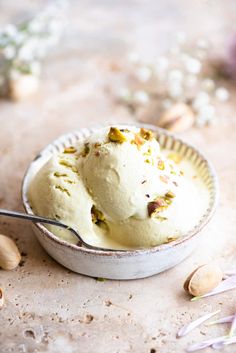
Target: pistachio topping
column 70, row 149
column 68, row 165
column 59, row 187
column 86, row 150
column 164, row 178
column 138, row 140
column 146, row 134
column 115, row 135
column 58, row 175
column 97, row 216
column 170, row 195
column 161, row 165
column 156, row 206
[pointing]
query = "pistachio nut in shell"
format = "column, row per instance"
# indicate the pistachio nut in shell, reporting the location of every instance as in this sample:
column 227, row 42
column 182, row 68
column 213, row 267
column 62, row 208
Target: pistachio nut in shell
column 2, row 299
column 204, row 279
column 9, row 253
column 178, row 118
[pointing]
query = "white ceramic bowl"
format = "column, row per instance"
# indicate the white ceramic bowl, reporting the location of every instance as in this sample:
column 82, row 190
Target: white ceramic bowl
column 131, row 264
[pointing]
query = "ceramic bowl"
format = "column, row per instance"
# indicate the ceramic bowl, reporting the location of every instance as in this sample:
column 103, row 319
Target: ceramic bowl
column 130, row 264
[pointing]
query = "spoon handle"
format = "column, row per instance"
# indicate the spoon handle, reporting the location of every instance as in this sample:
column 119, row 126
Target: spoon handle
column 37, row 219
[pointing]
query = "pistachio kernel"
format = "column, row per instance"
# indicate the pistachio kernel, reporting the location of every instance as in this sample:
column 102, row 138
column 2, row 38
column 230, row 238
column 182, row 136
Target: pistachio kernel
column 97, row 216
column 156, row 206
column 170, row 195
column 86, row 150
column 146, row 134
column 161, row 165
column 70, row 149
column 115, row 135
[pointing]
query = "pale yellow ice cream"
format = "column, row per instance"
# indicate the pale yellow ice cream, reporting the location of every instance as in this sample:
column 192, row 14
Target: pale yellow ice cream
column 119, row 190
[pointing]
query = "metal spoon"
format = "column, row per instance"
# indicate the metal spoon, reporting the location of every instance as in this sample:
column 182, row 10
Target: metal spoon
column 38, row 219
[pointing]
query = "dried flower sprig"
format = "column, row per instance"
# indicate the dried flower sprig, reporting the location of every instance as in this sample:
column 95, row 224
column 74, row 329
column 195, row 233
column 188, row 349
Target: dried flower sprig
column 23, row 46
column 181, row 76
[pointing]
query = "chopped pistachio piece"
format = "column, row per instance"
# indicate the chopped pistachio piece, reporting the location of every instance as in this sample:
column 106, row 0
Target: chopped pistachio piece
column 161, row 165
column 58, row 175
column 97, row 216
column 156, row 206
column 59, row 187
column 70, row 149
column 86, row 149
column 146, row 134
column 115, row 135
column 170, row 195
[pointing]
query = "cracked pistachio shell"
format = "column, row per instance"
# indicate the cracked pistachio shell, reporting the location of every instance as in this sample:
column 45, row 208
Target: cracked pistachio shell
column 9, row 253
column 203, row 279
column 2, row 299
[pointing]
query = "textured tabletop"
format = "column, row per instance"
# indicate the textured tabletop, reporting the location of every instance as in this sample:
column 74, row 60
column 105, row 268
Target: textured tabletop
column 49, row 308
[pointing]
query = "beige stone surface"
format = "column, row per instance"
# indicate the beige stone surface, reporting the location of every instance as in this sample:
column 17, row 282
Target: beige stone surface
column 48, row 308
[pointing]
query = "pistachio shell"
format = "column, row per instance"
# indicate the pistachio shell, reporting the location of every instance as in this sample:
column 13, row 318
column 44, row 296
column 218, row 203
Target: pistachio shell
column 203, row 279
column 178, row 118
column 23, row 87
column 2, row 299
column 9, row 253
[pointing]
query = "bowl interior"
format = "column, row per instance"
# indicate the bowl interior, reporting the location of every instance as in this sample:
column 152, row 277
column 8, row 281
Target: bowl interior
column 166, row 140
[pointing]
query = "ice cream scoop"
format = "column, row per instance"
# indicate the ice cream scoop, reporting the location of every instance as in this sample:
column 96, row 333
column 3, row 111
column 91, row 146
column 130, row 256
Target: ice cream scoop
column 118, row 190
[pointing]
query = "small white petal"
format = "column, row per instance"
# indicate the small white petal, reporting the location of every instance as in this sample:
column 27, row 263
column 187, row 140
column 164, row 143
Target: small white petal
column 233, row 326
column 205, row 344
column 222, row 320
column 188, row 328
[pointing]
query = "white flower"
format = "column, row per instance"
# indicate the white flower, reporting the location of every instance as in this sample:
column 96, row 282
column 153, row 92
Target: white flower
column 208, row 84
column 181, row 37
column 10, row 30
column 133, row 57
column 35, row 68
column 175, row 75
column 190, row 81
column 192, row 65
column 175, row 90
column 206, row 114
column 36, row 26
column 201, row 99
column 222, row 94
column 9, row 52
column 202, row 43
column 124, row 94
column 144, row 73
column 141, row 97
